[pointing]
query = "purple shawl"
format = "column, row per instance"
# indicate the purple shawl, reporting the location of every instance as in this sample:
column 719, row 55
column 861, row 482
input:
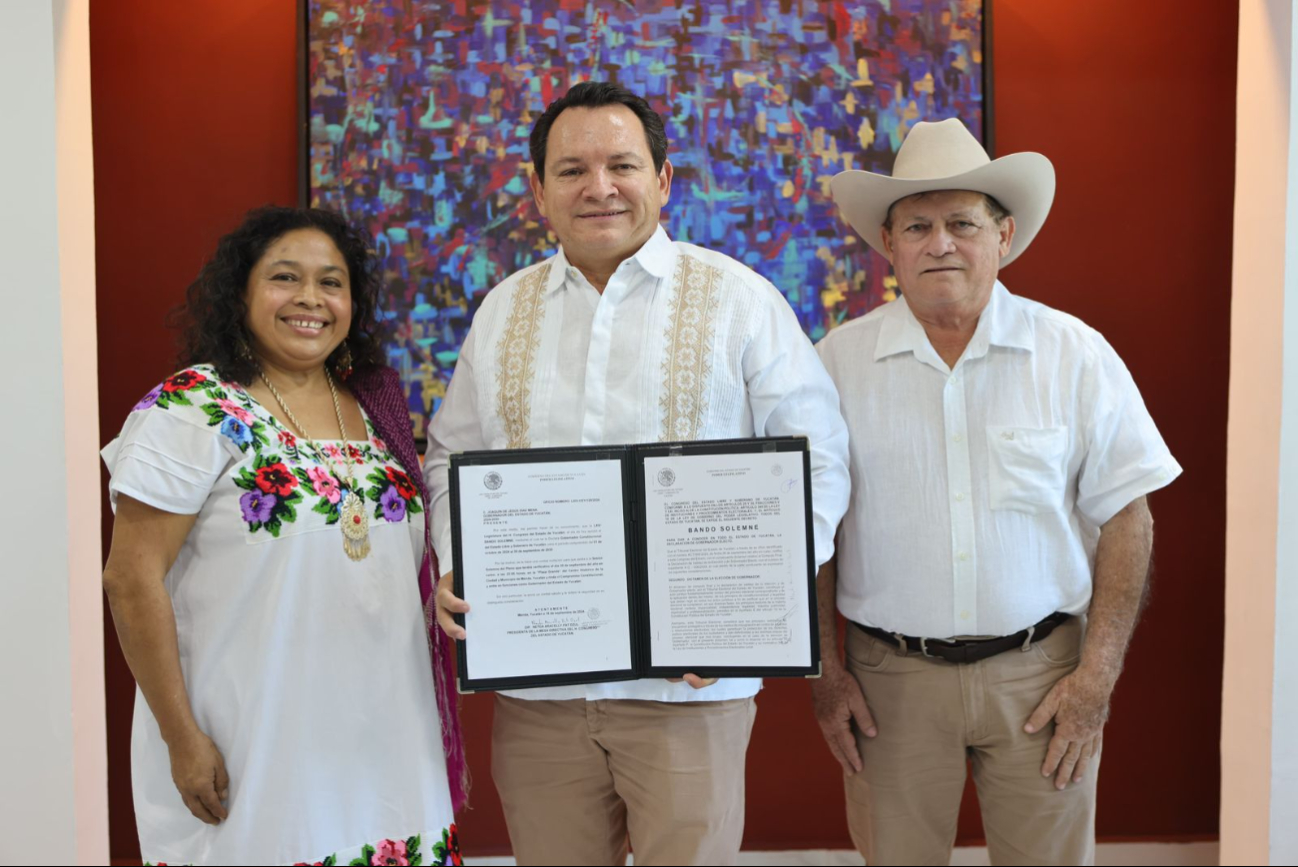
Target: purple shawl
column 379, row 391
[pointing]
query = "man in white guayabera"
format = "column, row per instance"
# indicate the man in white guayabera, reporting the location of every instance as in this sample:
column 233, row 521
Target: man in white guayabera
column 625, row 336
column 994, row 558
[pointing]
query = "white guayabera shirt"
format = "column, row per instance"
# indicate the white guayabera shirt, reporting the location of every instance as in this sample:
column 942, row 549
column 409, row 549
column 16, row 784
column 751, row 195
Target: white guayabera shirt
column 683, row 344
column 978, row 492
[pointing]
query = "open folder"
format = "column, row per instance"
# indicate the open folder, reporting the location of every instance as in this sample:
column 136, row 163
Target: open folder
column 604, row 563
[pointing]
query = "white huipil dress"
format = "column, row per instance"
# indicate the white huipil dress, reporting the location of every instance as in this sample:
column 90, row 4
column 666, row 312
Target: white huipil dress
column 309, row 671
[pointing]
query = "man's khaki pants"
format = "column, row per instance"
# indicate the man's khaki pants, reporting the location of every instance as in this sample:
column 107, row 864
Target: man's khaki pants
column 933, row 718
column 575, row 777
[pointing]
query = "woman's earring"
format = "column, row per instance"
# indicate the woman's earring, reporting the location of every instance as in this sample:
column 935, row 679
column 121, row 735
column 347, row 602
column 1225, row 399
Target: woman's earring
column 344, row 362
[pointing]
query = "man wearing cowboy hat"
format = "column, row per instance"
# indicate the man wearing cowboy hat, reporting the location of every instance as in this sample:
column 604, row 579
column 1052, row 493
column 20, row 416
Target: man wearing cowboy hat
column 993, row 559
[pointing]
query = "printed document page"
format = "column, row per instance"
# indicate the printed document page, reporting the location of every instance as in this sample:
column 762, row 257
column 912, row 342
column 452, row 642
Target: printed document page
column 544, row 568
column 727, row 560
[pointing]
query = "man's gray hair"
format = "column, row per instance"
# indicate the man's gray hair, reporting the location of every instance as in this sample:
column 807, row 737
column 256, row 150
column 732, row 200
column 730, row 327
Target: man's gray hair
column 998, row 211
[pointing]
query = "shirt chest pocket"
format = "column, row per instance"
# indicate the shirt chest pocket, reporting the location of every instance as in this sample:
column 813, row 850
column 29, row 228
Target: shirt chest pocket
column 1026, row 467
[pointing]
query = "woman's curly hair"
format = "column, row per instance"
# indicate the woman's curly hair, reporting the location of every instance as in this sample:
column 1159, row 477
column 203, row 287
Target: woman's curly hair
column 215, row 310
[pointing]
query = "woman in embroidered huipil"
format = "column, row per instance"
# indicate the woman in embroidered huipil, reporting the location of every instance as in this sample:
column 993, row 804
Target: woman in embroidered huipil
column 284, row 669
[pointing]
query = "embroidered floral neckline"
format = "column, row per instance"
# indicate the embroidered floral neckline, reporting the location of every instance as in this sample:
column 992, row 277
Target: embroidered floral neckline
column 285, row 474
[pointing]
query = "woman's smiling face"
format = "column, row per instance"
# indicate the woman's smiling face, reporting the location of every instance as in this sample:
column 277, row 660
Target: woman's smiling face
column 299, row 300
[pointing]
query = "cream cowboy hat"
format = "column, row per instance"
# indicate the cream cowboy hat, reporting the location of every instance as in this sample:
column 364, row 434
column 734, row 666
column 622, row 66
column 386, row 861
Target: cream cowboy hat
column 946, row 156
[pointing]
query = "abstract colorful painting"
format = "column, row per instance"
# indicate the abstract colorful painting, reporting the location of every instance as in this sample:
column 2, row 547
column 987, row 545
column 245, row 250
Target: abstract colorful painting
column 419, row 112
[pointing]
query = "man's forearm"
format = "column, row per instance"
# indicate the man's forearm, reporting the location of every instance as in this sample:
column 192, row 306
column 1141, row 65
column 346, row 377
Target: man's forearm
column 827, row 613
column 1121, row 578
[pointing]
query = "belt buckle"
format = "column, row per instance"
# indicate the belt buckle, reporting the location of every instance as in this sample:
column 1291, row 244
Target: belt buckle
column 923, row 645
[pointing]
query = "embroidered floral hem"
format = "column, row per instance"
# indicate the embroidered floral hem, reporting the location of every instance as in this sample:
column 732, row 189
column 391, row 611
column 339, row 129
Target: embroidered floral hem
column 436, row 850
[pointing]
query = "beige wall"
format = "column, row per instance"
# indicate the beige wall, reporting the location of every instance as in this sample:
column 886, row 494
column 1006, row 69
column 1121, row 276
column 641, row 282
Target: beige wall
column 36, row 788
column 1258, row 793
column 1284, row 702
column 76, row 214
column 53, row 782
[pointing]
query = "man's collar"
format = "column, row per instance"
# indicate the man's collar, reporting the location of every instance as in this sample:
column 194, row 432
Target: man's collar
column 655, row 258
column 558, row 272
column 1003, row 322
column 658, row 254
column 1008, row 323
column 900, row 331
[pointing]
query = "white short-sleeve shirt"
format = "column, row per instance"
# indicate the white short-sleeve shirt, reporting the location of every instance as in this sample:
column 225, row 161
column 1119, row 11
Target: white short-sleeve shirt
column 978, row 492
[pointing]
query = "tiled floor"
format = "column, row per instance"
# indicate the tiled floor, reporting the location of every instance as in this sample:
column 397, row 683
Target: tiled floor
column 1117, row 854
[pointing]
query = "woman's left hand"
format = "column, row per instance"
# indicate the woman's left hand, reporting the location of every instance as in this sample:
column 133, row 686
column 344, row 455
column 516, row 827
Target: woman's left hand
column 198, row 770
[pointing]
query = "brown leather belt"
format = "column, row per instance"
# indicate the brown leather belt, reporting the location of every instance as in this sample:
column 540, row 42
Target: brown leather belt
column 965, row 650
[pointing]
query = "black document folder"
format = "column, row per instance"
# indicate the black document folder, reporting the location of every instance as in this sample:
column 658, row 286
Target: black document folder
column 690, row 577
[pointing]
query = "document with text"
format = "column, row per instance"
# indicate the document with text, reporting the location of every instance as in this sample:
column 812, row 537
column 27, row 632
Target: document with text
column 727, row 560
column 603, row 563
column 545, row 568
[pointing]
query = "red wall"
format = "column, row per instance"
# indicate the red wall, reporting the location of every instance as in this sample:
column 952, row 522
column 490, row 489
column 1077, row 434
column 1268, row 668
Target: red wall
column 194, row 113
column 194, row 109
column 1135, row 105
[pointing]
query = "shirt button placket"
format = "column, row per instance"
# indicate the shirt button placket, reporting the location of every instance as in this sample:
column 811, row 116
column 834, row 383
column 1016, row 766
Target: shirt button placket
column 597, row 357
column 964, row 575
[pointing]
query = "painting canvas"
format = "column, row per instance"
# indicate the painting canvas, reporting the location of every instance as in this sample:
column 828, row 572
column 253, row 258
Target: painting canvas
column 418, row 112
